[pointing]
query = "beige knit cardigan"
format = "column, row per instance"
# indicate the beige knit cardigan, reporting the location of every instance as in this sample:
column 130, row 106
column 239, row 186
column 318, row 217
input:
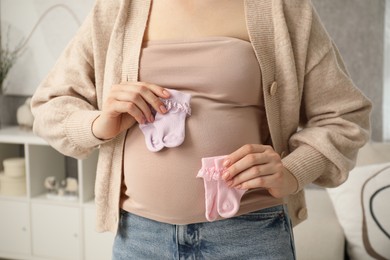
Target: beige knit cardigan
column 317, row 118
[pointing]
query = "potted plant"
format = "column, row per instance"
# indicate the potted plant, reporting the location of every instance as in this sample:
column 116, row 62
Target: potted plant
column 7, row 60
column 8, row 104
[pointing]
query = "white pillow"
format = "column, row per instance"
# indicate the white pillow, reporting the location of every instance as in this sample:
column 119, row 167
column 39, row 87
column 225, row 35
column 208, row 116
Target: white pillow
column 362, row 205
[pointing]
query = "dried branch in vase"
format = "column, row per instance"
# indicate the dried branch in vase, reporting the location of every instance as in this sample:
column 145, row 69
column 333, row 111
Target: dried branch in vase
column 8, row 57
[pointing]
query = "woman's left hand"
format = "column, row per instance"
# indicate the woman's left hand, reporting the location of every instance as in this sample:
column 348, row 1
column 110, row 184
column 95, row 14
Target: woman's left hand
column 258, row 166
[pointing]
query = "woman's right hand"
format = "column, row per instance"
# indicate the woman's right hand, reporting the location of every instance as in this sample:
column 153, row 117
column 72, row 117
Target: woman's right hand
column 128, row 103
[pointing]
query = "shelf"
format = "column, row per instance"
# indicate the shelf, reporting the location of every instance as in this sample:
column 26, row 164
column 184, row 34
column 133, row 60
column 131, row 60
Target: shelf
column 15, row 135
column 44, row 200
column 33, row 219
column 14, row 198
column 90, row 204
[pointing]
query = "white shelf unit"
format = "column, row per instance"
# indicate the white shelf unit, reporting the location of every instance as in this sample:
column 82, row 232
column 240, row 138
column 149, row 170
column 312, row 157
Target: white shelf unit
column 37, row 228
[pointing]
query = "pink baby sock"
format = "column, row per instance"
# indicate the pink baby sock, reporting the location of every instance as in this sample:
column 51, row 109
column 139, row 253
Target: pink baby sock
column 208, row 173
column 168, row 129
column 228, row 199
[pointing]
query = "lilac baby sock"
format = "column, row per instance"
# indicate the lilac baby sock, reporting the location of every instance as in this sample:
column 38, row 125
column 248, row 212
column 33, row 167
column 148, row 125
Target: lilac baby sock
column 207, row 172
column 168, row 129
column 228, row 199
column 172, row 124
column 152, row 137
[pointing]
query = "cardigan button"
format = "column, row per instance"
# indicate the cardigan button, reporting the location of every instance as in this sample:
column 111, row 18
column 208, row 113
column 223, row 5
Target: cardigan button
column 283, row 154
column 302, row 213
column 273, row 88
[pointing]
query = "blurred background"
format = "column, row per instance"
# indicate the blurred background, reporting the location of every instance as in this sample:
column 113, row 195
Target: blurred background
column 361, row 30
column 34, row 33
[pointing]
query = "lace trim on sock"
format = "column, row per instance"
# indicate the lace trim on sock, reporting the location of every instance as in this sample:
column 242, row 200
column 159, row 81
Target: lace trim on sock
column 169, row 104
column 210, row 173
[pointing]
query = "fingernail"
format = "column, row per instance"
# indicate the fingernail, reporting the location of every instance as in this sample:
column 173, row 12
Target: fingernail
column 229, row 183
column 143, row 120
column 239, row 187
column 151, row 119
column 163, row 109
column 226, row 163
column 166, row 93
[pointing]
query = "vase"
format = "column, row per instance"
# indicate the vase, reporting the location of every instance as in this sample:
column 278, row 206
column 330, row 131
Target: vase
column 24, row 116
column 9, row 104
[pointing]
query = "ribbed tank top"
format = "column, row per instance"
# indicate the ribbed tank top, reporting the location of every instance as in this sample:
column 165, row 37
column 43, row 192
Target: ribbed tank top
column 223, row 77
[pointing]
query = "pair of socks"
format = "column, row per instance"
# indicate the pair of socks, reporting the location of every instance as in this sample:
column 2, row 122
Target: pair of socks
column 220, row 199
column 168, row 130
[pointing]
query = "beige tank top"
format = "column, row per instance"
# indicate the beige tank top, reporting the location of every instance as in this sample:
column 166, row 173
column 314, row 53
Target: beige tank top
column 223, row 77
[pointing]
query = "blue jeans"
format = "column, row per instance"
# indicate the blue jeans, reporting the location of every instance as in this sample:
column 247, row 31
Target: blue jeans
column 264, row 234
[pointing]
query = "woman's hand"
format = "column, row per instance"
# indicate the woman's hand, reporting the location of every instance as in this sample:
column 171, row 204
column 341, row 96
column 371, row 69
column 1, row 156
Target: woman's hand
column 258, row 166
column 128, row 103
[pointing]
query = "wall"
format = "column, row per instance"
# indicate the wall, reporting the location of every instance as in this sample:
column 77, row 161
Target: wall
column 42, row 28
column 357, row 27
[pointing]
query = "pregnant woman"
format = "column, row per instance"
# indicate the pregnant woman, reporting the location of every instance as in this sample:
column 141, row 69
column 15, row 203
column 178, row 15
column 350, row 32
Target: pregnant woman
column 210, row 117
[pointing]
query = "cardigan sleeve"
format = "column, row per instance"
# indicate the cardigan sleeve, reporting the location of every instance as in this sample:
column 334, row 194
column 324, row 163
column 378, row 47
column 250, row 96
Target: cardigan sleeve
column 334, row 117
column 65, row 103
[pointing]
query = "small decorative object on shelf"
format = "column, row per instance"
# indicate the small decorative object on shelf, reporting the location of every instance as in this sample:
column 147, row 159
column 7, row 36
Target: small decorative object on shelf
column 13, row 179
column 24, row 115
column 51, row 185
column 66, row 189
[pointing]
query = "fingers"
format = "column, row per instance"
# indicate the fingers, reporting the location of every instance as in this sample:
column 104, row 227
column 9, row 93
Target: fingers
column 279, row 184
column 256, row 166
column 132, row 109
column 256, row 172
column 246, row 157
column 134, row 104
column 136, row 100
column 267, row 182
column 151, row 93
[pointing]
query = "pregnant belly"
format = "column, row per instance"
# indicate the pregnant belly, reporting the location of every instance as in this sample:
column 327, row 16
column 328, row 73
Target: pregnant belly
column 164, row 183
